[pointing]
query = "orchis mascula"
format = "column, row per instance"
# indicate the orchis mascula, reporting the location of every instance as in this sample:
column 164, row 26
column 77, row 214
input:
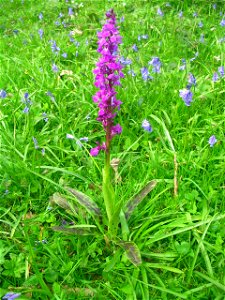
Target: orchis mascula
column 107, row 75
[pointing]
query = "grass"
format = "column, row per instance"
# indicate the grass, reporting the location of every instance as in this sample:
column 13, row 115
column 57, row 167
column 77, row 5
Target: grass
column 180, row 237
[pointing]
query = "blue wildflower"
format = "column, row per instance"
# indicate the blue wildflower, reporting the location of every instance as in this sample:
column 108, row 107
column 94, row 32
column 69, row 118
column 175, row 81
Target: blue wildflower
column 64, row 55
column 180, row 15
column 35, row 143
column 125, row 61
column 70, row 11
column 84, row 139
column 26, row 110
column 202, row 38
column 41, row 32
column 191, row 81
column 215, row 77
column 183, row 66
column 51, row 96
column 3, row 94
column 40, row 16
column 44, row 115
column 54, row 47
column 11, row 296
column 122, row 19
column 132, row 73
column 200, row 24
column 186, row 95
column 222, row 23
column 156, row 63
column 195, row 56
column 221, row 71
column 212, row 140
column 55, row 68
column 135, row 48
column 70, row 136
column 144, row 36
column 145, row 74
column 146, row 126
column 159, row 12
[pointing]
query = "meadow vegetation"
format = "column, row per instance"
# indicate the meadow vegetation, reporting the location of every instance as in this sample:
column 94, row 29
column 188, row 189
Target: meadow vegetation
column 52, row 245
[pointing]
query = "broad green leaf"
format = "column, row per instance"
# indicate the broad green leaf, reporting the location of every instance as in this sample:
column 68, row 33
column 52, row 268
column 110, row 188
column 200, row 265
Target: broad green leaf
column 85, row 201
column 133, row 202
column 58, row 199
column 132, row 252
column 79, row 230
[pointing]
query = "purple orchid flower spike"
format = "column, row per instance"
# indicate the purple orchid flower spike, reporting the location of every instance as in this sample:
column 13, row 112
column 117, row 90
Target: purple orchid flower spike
column 107, row 76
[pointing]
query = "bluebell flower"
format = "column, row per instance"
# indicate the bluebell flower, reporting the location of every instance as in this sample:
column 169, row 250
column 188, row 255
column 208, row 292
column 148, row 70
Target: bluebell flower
column 202, row 38
column 26, row 100
column 122, row 19
column 135, row 48
column 125, row 61
column 55, row 68
column 3, row 94
column 44, row 115
column 180, row 15
column 191, row 81
column 159, row 12
column 64, row 55
column 186, row 95
column 145, row 74
column 221, row 71
column 70, row 11
column 54, row 47
column 11, row 296
column 70, row 136
column 156, row 63
column 76, row 43
column 132, row 73
column 57, row 23
column 221, row 40
column 222, row 23
column 41, row 32
column 195, row 14
column 200, row 24
column 36, row 146
column 144, row 36
column 40, row 16
column 83, row 139
column 214, row 6
column 26, row 110
column 146, row 126
column 51, row 96
column 212, row 140
column 43, row 151
column 215, row 77
column 183, row 66
column 195, row 56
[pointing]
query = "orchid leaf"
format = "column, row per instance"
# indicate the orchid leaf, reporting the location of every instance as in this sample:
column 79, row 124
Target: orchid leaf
column 76, row 230
column 136, row 200
column 61, row 201
column 85, row 201
column 132, row 251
